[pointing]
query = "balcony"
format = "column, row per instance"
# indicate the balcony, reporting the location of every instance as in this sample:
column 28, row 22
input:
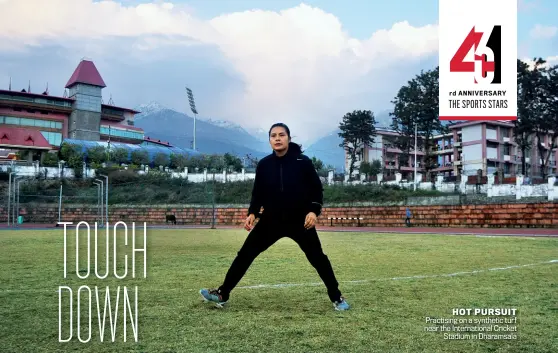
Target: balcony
column 442, row 150
column 112, row 114
column 45, row 103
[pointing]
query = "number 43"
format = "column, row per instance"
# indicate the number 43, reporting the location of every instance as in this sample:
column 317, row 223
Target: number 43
column 483, row 63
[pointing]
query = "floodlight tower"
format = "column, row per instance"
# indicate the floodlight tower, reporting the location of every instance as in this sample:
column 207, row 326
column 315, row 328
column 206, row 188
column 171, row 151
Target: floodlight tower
column 193, row 108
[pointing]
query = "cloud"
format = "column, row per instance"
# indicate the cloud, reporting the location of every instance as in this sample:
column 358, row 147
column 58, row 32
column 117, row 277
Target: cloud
column 298, row 65
column 543, row 32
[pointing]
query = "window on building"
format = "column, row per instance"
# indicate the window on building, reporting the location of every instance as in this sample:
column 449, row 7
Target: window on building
column 507, row 150
column 507, row 168
column 54, row 138
column 129, row 134
column 505, row 132
column 12, row 120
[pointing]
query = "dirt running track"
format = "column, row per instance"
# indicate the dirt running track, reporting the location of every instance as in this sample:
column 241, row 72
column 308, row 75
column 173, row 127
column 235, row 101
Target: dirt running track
column 523, row 232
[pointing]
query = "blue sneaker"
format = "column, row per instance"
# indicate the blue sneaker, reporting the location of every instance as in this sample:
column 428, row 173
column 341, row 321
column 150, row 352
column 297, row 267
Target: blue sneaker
column 342, row 305
column 214, row 296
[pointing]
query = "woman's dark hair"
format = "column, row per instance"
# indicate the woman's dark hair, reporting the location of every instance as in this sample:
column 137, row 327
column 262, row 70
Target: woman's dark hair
column 284, row 126
column 295, row 147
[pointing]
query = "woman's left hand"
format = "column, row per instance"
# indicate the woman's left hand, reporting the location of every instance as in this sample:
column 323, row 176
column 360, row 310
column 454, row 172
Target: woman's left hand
column 311, row 220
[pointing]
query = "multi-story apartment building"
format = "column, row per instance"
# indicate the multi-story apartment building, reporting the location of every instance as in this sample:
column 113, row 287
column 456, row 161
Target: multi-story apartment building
column 470, row 146
column 384, row 149
column 490, row 145
column 38, row 122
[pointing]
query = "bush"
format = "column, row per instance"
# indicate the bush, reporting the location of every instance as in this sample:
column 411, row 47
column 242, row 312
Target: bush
column 123, row 177
column 50, row 160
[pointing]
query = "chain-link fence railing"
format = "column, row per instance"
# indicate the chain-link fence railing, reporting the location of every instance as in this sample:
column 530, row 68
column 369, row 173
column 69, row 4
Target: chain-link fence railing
column 102, row 199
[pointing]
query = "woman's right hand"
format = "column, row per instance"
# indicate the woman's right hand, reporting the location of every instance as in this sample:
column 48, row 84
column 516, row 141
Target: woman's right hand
column 249, row 223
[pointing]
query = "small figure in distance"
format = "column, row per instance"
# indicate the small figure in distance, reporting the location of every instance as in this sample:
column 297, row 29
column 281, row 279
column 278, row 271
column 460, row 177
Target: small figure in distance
column 289, row 189
column 171, row 218
column 408, row 218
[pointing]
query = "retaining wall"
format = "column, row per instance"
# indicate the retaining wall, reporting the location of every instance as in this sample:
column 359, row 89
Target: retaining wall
column 516, row 215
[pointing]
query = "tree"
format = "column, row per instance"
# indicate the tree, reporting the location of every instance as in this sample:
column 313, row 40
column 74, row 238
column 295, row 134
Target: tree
column 252, row 162
column 233, row 162
column 364, row 168
column 97, row 154
column 140, row 157
column 376, row 167
column 50, row 159
column 178, row 161
column 195, row 162
column 357, row 131
column 161, row 159
column 546, row 120
column 216, row 163
column 119, row 155
column 537, row 111
column 317, row 163
column 417, row 103
column 73, row 155
column 523, row 126
column 370, row 169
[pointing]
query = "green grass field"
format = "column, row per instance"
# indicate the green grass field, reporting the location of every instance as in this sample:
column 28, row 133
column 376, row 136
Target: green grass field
column 393, row 282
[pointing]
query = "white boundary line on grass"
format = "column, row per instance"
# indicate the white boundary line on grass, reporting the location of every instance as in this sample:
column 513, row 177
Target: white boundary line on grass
column 283, row 285
column 286, row 285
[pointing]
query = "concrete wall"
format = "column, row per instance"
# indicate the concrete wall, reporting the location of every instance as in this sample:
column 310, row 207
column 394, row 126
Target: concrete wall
column 520, row 215
column 84, row 125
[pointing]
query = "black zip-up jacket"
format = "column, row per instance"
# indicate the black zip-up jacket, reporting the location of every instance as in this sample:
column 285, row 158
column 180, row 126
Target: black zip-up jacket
column 287, row 188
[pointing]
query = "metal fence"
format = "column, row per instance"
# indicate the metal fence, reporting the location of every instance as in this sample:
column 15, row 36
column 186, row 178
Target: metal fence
column 49, row 201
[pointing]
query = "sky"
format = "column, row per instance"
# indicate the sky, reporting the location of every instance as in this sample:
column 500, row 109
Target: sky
column 251, row 62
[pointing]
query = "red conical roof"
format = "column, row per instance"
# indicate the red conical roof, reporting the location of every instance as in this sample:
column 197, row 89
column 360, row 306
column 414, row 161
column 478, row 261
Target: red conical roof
column 86, row 73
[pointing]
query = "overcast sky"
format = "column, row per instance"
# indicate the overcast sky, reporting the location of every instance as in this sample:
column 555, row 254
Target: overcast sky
column 250, row 62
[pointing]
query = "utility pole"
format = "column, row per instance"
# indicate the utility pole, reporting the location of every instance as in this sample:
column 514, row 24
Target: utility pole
column 415, row 181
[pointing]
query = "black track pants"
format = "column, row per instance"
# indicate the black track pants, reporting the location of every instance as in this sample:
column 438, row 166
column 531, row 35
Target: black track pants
column 262, row 237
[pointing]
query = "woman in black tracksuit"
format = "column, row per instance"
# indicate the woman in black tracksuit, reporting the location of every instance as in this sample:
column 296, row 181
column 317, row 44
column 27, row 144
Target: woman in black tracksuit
column 290, row 192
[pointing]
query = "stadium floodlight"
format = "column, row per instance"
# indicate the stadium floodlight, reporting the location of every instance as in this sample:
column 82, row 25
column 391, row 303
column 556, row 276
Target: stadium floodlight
column 194, row 110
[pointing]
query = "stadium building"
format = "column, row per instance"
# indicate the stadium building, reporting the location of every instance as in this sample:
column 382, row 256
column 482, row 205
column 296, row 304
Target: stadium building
column 35, row 123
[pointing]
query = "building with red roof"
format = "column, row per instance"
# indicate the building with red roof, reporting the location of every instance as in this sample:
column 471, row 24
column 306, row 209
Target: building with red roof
column 37, row 122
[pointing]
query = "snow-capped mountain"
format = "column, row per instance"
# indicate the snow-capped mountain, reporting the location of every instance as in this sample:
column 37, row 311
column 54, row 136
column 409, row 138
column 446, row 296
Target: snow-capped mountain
column 154, row 107
column 212, row 136
column 224, row 124
column 259, row 133
column 148, row 108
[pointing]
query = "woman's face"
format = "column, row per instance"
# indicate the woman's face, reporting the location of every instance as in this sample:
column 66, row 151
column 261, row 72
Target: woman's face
column 278, row 139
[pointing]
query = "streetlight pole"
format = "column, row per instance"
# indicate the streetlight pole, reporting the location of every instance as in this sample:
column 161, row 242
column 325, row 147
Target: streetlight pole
column 415, row 183
column 9, row 195
column 213, row 202
column 60, row 205
column 106, row 197
column 194, row 110
column 18, row 183
column 99, row 184
column 15, row 193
